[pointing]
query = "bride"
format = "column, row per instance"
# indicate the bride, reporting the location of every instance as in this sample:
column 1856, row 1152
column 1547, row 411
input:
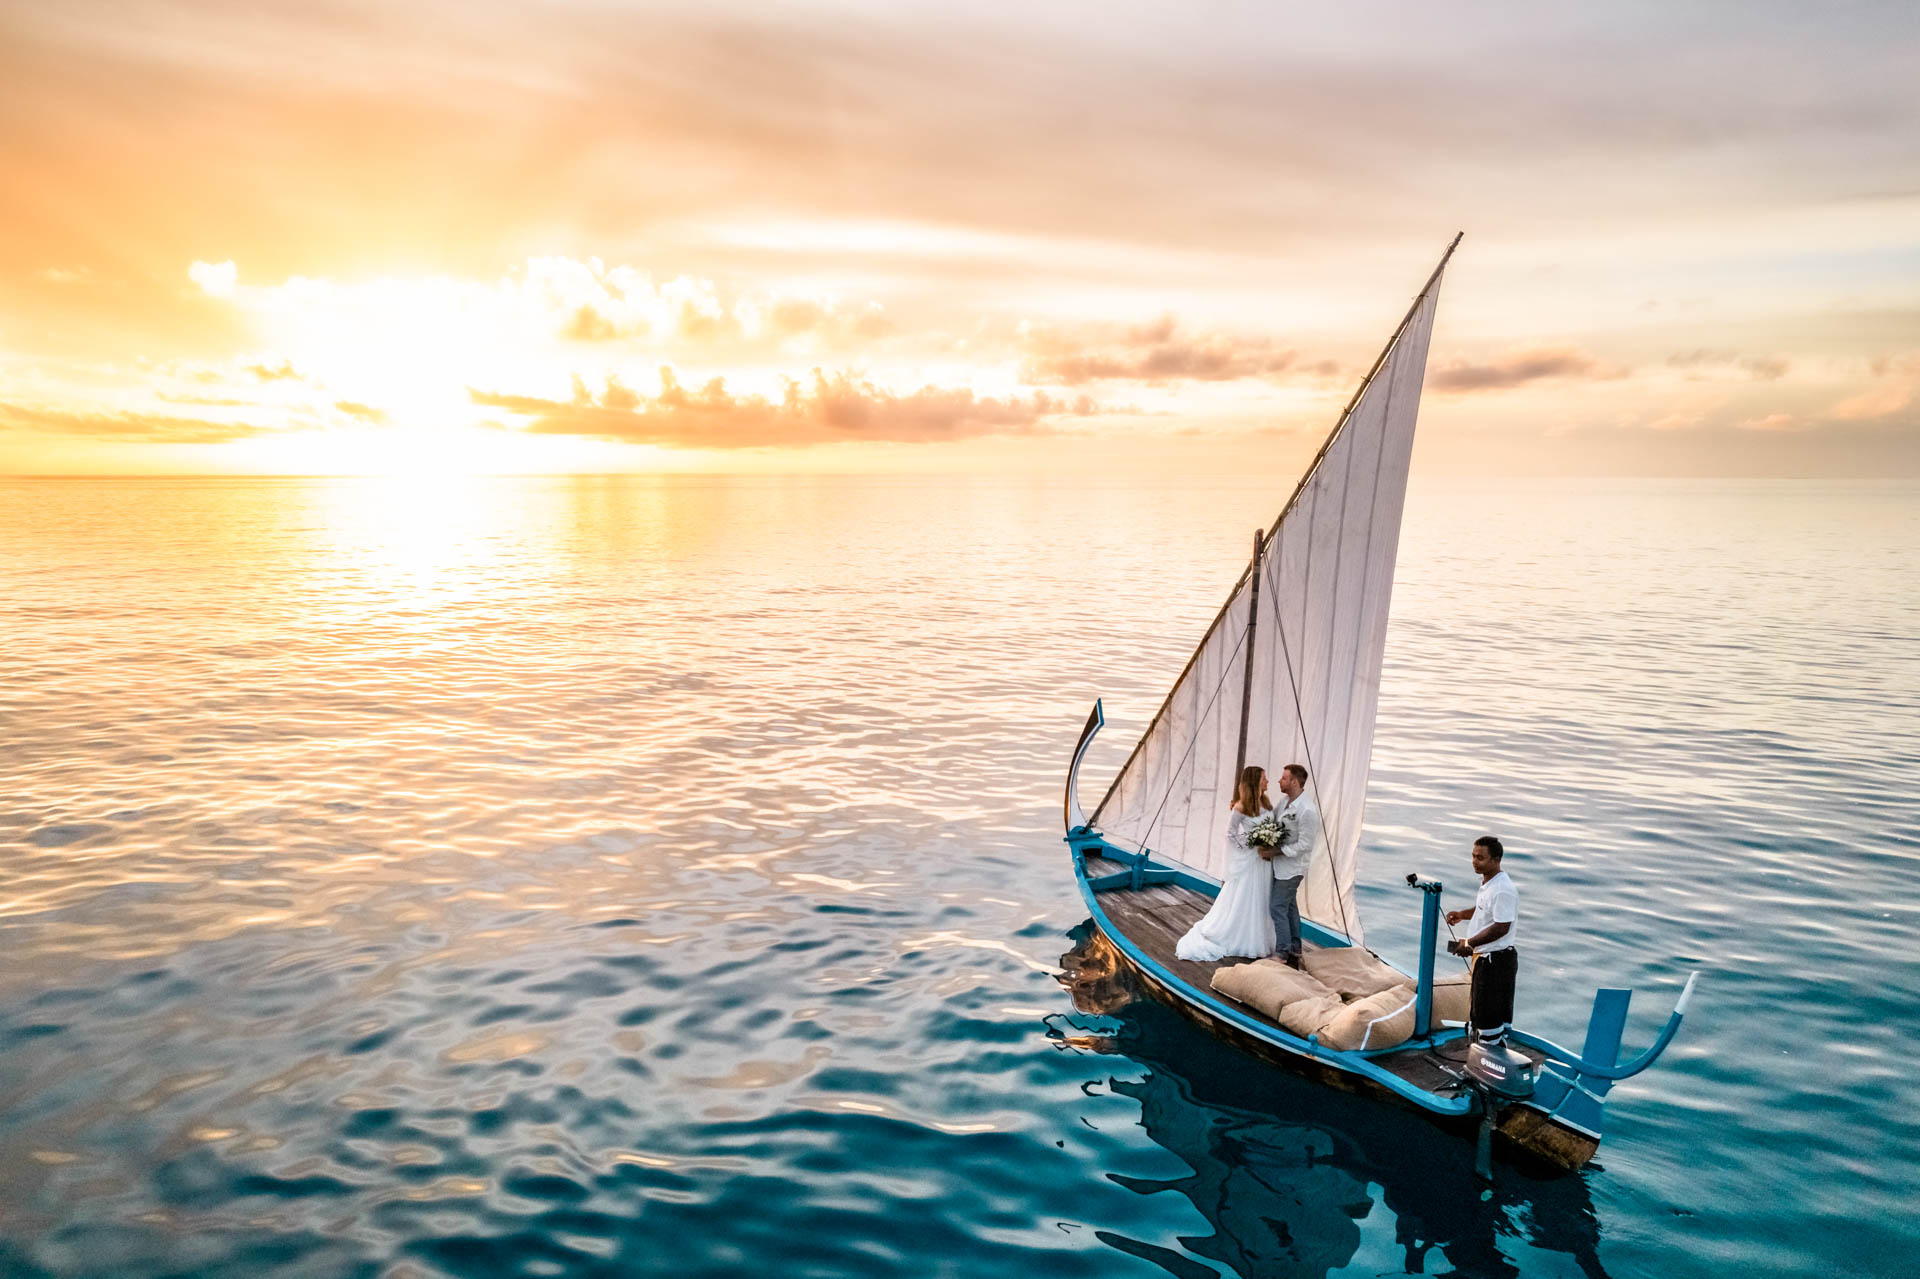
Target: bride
column 1239, row 923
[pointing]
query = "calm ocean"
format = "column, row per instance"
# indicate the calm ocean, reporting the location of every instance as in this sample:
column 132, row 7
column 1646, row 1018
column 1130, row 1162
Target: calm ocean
column 604, row 876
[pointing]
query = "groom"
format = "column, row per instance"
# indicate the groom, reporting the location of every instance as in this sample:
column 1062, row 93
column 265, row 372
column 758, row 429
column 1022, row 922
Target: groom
column 1300, row 818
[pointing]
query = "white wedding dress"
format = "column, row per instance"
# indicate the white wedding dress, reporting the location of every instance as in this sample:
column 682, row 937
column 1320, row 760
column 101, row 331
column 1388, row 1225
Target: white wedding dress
column 1239, row 923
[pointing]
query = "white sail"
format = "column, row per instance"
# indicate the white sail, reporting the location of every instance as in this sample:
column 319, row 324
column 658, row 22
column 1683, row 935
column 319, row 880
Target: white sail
column 1325, row 581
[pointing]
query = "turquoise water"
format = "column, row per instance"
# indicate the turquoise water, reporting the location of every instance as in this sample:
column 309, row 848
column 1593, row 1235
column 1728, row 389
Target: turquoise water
column 613, row 876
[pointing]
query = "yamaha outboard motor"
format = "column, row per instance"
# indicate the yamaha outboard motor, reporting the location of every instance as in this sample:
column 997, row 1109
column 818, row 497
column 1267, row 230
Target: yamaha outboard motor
column 1497, row 1074
column 1500, row 1071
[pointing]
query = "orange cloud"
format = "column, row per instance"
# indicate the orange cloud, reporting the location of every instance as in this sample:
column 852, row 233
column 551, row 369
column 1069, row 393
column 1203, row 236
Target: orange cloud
column 364, row 412
column 1761, row 368
column 800, row 317
column 147, row 428
column 707, row 321
column 1897, row 385
column 209, row 401
column 795, row 316
column 840, row 408
column 588, row 325
column 281, row 372
column 1680, row 420
column 1155, row 354
column 1520, row 368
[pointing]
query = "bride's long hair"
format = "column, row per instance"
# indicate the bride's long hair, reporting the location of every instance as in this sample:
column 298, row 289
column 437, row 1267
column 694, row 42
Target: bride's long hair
column 1250, row 792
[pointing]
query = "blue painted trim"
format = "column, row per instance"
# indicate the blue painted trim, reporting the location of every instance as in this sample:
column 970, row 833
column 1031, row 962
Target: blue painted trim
column 1084, row 842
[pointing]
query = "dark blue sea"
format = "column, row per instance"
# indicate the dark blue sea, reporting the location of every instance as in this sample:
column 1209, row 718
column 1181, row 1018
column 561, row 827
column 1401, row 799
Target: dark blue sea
column 630, row 875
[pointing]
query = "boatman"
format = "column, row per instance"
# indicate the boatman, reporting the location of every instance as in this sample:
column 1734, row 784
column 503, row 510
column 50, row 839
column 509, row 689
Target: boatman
column 1300, row 819
column 1490, row 943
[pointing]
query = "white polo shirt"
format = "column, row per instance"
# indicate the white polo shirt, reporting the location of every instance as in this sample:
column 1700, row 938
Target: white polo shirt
column 1498, row 903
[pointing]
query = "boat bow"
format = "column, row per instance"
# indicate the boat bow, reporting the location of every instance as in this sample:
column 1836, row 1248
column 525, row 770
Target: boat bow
column 1074, row 817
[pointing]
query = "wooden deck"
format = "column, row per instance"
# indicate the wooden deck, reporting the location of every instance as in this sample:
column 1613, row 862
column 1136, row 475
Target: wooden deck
column 1155, row 918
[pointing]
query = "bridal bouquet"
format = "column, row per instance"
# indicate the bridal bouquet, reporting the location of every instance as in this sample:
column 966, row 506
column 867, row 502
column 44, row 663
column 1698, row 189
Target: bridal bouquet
column 1268, row 833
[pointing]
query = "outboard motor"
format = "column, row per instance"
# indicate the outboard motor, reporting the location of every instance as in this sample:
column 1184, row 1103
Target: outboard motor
column 1496, row 1073
column 1500, row 1072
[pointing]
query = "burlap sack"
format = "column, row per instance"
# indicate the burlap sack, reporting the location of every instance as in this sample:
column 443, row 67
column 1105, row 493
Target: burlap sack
column 1451, row 998
column 1378, row 1021
column 1353, row 972
column 1308, row 1016
column 1267, row 985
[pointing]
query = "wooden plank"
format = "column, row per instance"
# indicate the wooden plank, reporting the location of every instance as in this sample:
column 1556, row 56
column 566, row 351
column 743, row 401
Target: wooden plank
column 1160, row 907
column 1181, row 902
column 1172, row 918
column 1153, row 935
column 1424, row 1069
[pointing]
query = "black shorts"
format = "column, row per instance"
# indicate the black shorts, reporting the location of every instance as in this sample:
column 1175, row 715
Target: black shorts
column 1492, row 999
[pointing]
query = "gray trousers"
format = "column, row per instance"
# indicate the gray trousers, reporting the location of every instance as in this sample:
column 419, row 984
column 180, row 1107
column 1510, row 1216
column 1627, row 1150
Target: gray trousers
column 1284, row 906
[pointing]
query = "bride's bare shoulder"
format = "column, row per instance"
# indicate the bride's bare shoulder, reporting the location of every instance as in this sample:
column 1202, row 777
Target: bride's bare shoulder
column 1236, row 807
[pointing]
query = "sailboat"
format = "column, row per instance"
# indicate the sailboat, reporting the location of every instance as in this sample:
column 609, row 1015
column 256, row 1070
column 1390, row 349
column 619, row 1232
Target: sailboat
column 1289, row 670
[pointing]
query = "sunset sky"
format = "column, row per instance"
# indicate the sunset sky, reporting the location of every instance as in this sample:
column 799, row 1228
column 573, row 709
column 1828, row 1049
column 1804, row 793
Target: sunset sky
column 320, row 238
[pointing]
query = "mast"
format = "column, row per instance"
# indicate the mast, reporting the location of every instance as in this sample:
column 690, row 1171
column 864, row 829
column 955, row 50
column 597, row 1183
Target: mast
column 1246, row 686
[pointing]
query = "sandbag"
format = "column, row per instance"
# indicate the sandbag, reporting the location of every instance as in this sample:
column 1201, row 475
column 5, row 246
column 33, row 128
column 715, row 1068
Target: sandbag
column 1353, row 972
column 1308, row 1016
column 1378, row 1021
column 1267, row 985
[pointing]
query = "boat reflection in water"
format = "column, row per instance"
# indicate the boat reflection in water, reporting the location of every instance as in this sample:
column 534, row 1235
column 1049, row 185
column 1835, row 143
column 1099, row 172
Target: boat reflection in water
column 1286, row 1170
